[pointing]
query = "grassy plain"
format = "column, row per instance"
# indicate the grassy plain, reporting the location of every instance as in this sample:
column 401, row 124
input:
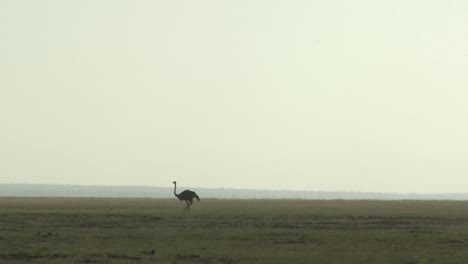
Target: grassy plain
column 86, row 230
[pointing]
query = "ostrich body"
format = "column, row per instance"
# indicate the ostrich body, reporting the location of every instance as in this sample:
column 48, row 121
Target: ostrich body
column 186, row 196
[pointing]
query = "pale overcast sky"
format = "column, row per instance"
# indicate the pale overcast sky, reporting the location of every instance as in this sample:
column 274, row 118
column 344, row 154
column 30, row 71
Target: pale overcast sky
column 327, row 95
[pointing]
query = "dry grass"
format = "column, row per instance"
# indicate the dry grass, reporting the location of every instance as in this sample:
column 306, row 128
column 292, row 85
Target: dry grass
column 52, row 230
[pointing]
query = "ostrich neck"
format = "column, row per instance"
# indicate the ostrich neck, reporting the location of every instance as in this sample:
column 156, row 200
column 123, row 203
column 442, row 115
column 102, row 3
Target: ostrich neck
column 175, row 185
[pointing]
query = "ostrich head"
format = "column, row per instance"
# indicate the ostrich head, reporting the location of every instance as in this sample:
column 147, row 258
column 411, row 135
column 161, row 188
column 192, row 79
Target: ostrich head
column 174, row 182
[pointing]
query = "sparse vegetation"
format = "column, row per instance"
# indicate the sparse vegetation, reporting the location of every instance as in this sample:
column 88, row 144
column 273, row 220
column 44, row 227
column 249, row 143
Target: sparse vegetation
column 85, row 230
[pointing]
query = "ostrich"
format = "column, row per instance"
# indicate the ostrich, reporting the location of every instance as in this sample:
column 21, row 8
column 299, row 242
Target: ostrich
column 186, row 196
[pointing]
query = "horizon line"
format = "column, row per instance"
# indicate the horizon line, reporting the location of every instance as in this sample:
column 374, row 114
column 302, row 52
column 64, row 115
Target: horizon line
column 246, row 189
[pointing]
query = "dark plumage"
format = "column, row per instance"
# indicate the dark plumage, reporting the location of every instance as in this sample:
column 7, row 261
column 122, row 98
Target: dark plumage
column 186, row 196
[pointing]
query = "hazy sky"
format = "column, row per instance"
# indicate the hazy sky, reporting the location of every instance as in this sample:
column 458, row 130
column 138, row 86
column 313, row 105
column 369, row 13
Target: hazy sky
column 325, row 95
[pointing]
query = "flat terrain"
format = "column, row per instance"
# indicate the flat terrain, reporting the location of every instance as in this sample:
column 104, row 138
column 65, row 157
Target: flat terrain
column 86, row 230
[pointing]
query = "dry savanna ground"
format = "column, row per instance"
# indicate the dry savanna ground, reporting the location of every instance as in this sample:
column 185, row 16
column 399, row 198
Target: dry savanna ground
column 86, row 230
